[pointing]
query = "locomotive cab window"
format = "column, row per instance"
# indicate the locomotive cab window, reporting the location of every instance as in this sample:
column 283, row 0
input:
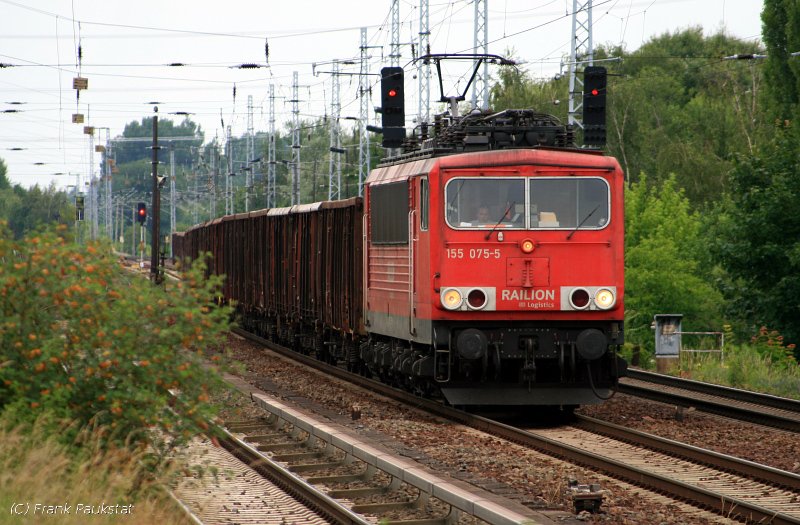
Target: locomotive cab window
column 423, row 204
column 538, row 203
column 485, row 203
column 558, row 203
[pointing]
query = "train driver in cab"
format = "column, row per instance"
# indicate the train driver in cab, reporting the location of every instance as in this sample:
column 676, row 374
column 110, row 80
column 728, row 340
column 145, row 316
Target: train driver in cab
column 483, row 216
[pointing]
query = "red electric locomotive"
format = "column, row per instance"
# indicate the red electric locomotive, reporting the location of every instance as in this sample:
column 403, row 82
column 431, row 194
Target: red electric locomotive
column 497, row 275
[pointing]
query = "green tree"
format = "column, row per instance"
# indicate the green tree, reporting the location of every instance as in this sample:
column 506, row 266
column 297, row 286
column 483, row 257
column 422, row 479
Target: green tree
column 5, row 184
column 26, row 210
column 35, row 208
column 665, row 262
column 673, row 107
column 676, row 108
column 8, row 198
column 515, row 89
column 758, row 235
column 780, row 21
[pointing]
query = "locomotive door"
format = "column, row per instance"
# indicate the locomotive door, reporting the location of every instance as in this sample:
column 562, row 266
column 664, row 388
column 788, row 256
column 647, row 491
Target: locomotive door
column 419, row 260
column 412, row 259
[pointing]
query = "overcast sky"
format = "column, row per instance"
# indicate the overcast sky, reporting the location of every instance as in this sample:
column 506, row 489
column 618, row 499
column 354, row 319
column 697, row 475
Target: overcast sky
column 127, row 46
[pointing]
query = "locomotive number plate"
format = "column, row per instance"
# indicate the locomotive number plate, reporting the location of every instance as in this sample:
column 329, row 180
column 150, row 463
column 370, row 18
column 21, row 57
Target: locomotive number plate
column 473, row 253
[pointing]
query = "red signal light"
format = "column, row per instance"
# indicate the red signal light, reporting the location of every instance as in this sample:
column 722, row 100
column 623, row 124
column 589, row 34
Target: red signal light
column 595, row 92
column 392, row 93
column 141, row 212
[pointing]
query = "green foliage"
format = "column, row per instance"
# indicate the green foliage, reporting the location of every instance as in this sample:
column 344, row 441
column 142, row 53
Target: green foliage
column 757, row 235
column 674, row 108
column 36, row 208
column 26, row 210
column 5, row 184
column 770, row 345
column 749, row 367
column 89, row 343
column 315, row 163
column 515, row 89
column 781, row 31
column 663, row 270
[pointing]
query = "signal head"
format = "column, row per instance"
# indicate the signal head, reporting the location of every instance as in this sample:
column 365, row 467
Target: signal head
column 594, row 105
column 393, row 112
column 141, row 212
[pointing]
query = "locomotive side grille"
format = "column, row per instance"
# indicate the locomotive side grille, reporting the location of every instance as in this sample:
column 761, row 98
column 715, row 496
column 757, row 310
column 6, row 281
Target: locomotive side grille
column 389, row 213
column 388, row 268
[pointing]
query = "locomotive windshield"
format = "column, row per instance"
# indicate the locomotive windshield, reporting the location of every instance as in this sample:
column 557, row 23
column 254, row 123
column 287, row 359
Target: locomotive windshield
column 485, row 202
column 532, row 203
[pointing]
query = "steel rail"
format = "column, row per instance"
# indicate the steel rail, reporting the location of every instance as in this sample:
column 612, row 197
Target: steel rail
column 710, row 458
column 715, row 399
column 757, row 398
column 734, row 508
column 724, row 505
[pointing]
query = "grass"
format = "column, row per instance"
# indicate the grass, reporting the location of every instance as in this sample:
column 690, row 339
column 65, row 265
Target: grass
column 35, row 469
column 745, row 367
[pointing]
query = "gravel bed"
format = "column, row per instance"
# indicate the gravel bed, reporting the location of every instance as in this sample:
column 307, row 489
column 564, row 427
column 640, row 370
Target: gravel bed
column 535, row 479
column 776, row 448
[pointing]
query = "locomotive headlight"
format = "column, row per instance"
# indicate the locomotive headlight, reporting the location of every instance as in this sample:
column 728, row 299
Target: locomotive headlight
column 526, row 245
column 451, row 299
column 604, row 298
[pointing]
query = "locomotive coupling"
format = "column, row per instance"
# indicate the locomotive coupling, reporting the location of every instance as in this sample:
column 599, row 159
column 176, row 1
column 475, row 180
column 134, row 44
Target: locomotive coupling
column 591, row 344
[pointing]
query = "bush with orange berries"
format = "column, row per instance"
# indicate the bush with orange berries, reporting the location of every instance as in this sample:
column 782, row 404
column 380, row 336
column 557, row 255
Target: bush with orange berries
column 87, row 342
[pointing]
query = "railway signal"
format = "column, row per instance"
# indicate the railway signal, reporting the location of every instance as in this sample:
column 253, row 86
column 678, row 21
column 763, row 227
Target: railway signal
column 79, row 207
column 393, row 107
column 594, row 106
column 141, row 212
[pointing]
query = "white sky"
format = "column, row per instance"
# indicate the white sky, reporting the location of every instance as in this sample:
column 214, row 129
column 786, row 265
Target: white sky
column 126, row 46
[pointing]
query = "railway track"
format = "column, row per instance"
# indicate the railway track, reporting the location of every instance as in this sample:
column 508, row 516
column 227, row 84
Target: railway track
column 294, row 486
column 733, row 488
column 728, row 484
column 365, row 482
column 228, row 480
column 739, row 404
column 240, row 492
